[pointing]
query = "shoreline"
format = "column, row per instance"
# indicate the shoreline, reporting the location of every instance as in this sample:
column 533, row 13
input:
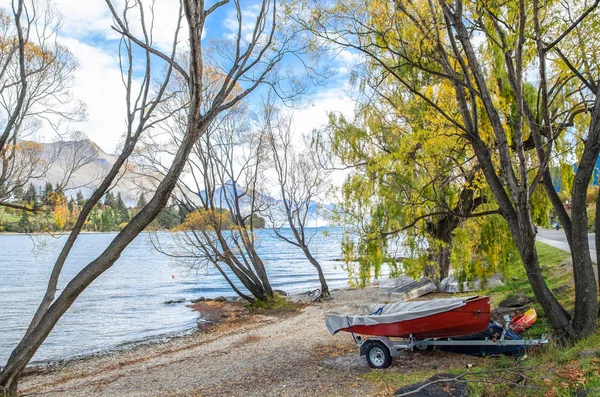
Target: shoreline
column 202, row 325
column 240, row 330
column 42, row 366
column 250, row 353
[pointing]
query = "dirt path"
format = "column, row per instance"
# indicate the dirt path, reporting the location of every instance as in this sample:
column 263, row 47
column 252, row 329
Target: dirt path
column 290, row 355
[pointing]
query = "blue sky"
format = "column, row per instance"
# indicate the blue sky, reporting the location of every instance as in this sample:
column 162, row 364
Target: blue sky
column 87, row 32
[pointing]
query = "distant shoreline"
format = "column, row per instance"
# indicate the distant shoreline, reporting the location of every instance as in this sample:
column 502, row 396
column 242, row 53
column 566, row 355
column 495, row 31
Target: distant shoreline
column 66, row 233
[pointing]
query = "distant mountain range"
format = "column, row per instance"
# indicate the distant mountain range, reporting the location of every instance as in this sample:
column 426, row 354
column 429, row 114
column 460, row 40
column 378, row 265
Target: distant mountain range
column 316, row 211
column 90, row 164
column 63, row 155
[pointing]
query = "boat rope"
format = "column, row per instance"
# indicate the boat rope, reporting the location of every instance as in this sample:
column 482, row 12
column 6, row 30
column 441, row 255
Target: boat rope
column 351, row 332
column 377, row 312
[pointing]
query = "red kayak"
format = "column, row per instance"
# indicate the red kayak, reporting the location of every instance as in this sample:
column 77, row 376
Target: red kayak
column 440, row 318
column 523, row 321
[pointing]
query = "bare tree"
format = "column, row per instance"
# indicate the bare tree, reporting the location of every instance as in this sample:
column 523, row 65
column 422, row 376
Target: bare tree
column 223, row 199
column 301, row 182
column 36, row 75
column 249, row 61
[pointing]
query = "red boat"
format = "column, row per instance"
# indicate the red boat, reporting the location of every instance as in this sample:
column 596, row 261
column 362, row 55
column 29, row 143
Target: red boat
column 439, row 318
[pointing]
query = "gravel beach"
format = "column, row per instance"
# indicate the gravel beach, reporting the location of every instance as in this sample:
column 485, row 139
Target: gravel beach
column 287, row 354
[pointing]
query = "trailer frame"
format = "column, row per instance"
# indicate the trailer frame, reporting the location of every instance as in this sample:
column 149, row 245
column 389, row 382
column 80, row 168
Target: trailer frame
column 379, row 350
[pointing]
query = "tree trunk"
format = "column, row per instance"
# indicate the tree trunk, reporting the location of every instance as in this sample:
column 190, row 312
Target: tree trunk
column 232, row 285
column 317, row 265
column 251, row 281
column 559, row 208
column 443, row 259
column 262, row 274
column 597, row 239
column 28, row 346
column 440, row 253
column 518, row 218
column 586, row 299
column 557, row 316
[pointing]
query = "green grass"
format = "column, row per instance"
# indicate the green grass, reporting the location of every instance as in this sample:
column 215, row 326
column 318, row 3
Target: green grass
column 557, row 273
column 33, row 217
column 277, row 305
column 550, row 256
column 552, row 370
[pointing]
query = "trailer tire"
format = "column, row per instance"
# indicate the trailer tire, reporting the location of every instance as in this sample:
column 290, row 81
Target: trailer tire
column 378, row 355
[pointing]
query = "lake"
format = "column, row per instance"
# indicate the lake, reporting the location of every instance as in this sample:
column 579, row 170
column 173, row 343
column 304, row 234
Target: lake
column 126, row 304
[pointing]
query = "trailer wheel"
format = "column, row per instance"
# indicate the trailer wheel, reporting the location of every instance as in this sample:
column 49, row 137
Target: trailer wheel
column 378, row 355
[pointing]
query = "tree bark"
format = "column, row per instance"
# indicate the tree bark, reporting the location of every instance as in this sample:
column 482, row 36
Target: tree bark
column 317, row 265
column 558, row 317
column 443, row 258
column 441, row 230
column 586, row 300
column 597, row 240
column 524, row 237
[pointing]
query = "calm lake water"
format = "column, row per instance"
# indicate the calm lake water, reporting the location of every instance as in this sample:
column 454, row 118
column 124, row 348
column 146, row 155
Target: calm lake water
column 126, row 304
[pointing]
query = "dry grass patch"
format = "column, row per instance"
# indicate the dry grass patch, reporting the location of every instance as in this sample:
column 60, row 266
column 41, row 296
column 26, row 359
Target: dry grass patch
column 249, row 339
column 333, row 350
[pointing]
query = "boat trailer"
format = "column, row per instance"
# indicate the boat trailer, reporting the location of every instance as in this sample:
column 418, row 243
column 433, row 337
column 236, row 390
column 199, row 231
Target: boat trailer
column 379, row 350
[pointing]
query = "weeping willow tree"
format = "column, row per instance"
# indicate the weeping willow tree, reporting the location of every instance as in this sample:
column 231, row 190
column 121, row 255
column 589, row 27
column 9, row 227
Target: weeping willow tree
column 416, row 193
column 513, row 90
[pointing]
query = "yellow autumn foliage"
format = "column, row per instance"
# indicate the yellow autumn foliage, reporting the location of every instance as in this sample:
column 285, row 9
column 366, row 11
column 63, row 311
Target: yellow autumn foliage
column 202, row 219
column 61, row 211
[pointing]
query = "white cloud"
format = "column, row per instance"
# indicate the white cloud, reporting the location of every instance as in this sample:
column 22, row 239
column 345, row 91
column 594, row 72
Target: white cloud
column 99, row 85
column 347, row 60
column 95, row 19
column 82, row 21
column 231, row 23
column 322, row 103
column 316, row 117
column 87, row 32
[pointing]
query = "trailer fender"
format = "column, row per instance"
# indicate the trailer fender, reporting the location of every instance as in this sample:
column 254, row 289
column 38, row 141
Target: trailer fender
column 386, row 341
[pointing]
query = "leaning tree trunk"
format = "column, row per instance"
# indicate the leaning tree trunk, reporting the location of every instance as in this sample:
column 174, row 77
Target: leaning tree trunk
column 518, row 218
column 559, row 208
column 524, row 237
column 249, row 269
column 232, row 285
column 253, row 284
column 557, row 316
column 28, row 346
